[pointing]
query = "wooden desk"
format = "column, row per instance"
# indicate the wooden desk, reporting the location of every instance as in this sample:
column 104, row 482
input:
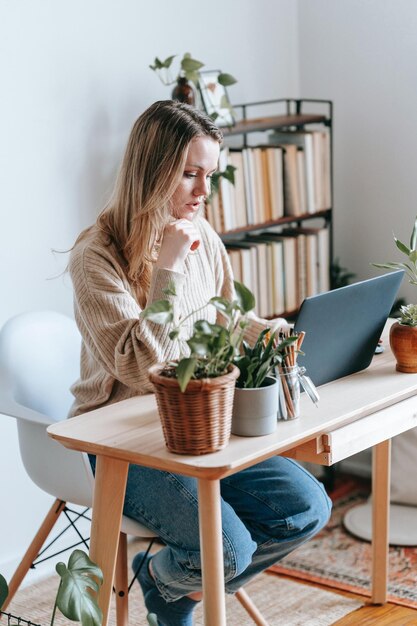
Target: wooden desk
column 354, row 413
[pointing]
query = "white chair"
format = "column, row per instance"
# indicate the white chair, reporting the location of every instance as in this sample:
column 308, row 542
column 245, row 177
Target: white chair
column 39, row 360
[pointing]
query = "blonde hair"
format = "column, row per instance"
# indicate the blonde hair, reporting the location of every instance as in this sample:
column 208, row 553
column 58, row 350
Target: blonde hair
column 150, row 172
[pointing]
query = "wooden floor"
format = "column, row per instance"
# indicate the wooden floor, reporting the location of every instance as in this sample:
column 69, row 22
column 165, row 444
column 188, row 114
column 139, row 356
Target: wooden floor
column 370, row 615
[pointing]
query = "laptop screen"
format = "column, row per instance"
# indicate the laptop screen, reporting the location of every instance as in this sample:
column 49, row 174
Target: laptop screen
column 343, row 326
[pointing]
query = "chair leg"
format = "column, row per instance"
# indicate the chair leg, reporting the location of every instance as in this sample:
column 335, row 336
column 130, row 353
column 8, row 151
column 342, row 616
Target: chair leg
column 121, row 583
column 34, row 548
column 250, row 608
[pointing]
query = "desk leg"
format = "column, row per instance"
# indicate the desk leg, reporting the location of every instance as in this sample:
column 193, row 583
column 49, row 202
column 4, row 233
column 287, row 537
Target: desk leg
column 381, row 465
column 109, row 495
column 210, row 521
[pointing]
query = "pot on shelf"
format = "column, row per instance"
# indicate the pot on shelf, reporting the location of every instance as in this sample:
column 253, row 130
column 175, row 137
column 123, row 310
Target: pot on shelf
column 183, row 91
column 255, row 409
column 403, row 342
column 198, row 420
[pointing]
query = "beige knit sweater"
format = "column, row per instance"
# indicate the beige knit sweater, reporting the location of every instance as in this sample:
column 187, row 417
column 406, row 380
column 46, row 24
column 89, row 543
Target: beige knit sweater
column 118, row 345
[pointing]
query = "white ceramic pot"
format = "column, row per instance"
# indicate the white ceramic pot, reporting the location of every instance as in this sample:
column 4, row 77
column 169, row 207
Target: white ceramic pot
column 255, row 410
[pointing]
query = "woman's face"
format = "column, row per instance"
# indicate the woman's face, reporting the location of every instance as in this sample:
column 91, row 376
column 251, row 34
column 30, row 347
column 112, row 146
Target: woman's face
column 200, row 165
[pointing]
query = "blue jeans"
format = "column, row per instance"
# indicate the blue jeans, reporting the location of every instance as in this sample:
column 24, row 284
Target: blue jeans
column 268, row 510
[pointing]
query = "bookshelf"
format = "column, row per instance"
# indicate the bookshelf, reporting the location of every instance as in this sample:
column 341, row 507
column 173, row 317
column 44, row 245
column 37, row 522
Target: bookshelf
column 276, row 220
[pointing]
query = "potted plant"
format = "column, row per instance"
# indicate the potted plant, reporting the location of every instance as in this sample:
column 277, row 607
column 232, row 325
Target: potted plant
column 403, row 333
column 255, row 404
column 187, row 79
column 195, row 394
column 76, row 595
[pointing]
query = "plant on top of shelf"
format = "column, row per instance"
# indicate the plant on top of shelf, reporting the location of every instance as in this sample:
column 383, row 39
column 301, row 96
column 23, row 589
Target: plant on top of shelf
column 403, row 333
column 77, row 591
column 188, row 72
column 189, row 69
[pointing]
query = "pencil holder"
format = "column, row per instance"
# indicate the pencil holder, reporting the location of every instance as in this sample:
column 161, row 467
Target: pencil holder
column 289, row 391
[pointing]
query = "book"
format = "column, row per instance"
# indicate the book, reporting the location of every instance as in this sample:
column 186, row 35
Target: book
column 289, row 255
column 251, row 258
column 291, row 193
column 258, row 186
column 277, row 277
column 304, row 139
column 301, row 179
column 240, row 211
column 264, row 284
column 235, row 262
column 249, row 184
column 275, row 177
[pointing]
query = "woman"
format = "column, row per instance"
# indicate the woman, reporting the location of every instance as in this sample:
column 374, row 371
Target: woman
column 151, row 234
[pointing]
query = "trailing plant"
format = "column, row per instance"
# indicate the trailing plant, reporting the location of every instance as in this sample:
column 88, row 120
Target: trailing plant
column 77, row 591
column 212, row 347
column 408, row 313
column 189, row 69
column 228, row 174
column 258, row 362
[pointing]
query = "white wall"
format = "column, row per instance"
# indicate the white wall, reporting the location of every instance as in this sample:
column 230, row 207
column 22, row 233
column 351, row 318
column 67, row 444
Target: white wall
column 74, row 78
column 362, row 54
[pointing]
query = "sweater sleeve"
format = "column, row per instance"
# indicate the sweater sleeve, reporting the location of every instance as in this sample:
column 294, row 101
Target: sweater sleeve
column 108, row 315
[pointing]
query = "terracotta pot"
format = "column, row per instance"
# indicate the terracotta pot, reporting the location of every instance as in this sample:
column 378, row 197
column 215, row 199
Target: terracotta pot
column 198, row 420
column 403, row 342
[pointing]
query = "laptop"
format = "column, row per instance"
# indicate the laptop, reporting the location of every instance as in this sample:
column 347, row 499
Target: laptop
column 343, row 326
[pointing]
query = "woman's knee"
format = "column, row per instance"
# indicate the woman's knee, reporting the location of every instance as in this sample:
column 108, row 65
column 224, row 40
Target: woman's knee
column 237, row 553
column 314, row 508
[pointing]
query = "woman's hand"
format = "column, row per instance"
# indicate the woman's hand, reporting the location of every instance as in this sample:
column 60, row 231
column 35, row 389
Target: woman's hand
column 178, row 238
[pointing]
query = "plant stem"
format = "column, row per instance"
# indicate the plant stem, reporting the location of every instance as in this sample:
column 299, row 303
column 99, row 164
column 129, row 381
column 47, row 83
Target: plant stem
column 55, row 606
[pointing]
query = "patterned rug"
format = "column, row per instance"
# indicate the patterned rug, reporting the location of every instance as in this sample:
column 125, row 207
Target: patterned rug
column 283, row 603
column 337, row 559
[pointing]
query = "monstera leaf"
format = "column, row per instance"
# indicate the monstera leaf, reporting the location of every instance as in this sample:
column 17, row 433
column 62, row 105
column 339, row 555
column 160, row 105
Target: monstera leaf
column 4, row 590
column 80, row 582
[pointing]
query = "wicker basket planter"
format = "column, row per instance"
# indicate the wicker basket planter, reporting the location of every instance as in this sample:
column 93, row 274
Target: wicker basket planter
column 199, row 420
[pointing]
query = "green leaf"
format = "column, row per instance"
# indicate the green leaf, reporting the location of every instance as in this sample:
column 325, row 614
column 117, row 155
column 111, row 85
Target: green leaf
column 245, row 298
column 413, row 238
column 229, row 173
column 185, row 370
column 388, row 266
column 75, row 598
column 158, row 64
column 4, row 590
column 170, row 290
column 224, row 102
column 262, row 373
column 190, row 65
column 168, row 61
column 401, row 246
column 192, row 76
column 413, row 256
column 226, row 79
column 198, row 346
column 203, row 326
column 159, row 312
column 174, row 334
column 221, row 304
